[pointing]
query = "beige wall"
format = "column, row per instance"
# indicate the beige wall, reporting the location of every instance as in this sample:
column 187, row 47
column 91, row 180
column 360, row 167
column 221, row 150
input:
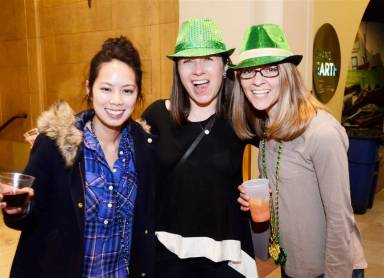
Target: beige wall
column 45, row 47
column 244, row 13
column 345, row 16
column 300, row 20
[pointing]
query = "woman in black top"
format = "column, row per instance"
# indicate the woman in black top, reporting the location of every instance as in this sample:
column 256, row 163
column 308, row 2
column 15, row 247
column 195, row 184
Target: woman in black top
column 200, row 230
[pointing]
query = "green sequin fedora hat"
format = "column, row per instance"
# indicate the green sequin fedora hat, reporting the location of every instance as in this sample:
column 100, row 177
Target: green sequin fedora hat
column 199, row 37
column 265, row 44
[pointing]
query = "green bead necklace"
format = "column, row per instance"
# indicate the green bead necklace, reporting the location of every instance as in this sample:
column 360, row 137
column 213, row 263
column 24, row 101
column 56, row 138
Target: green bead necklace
column 278, row 253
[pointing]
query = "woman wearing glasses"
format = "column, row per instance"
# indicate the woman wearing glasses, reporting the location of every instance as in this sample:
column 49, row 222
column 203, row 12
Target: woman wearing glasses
column 303, row 153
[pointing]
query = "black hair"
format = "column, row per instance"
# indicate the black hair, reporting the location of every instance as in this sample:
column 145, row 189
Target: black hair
column 119, row 48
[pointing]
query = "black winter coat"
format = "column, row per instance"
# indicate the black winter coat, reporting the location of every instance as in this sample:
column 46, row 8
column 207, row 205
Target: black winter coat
column 51, row 242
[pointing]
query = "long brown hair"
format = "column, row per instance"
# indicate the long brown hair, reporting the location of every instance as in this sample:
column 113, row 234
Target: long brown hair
column 180, row 103
column 295, row 109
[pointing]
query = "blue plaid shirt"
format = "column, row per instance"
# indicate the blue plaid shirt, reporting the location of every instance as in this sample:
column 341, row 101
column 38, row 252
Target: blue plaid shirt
column 108, row 240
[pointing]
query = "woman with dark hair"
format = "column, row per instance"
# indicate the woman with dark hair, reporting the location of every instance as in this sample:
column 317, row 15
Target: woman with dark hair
column 303, row 153
column 92, row 210
column 200, row 230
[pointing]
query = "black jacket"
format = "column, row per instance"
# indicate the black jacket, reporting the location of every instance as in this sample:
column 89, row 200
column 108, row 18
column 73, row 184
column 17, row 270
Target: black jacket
column 51, row 243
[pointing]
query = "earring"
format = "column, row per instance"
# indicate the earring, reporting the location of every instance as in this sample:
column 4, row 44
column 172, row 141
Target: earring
column 224, row 75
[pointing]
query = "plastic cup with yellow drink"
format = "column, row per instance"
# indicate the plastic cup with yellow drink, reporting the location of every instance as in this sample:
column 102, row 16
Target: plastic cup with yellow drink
column 258, row 192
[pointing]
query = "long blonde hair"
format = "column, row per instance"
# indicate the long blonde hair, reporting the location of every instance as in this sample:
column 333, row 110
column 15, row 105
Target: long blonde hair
column 295, row 109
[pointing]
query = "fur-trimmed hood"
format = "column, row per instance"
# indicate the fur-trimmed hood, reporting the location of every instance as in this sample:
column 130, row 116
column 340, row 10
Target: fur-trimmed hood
column 58, row 123
column 61, row 124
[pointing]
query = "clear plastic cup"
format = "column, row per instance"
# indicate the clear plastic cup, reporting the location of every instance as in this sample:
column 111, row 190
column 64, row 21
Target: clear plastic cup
column 11, row 185
column 258, row 192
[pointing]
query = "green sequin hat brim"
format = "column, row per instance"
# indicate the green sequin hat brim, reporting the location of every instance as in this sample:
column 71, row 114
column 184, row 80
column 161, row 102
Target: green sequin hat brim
column 265, row 44
column 267, row 60
column 200, row 52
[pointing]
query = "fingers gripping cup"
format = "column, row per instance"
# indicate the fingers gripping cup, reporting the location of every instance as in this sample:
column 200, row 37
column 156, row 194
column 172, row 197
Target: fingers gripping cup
column 258, row 192
column 11, row 185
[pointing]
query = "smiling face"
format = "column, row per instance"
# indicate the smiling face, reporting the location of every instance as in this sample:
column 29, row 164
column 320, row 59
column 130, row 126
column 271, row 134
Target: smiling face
column 262, row 92
column 202, row 78
column 114, row 94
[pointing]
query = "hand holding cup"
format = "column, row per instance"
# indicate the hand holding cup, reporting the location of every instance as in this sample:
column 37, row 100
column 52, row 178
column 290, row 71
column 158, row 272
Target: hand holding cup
column 15, row 192
column 254, row 196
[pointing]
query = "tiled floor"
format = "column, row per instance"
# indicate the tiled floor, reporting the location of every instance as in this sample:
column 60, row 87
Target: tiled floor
column 372, row 229
column 8, row 242
column 371, row 226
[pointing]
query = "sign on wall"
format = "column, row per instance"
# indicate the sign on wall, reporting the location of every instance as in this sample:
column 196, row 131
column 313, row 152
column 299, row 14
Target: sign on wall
column 326, row 62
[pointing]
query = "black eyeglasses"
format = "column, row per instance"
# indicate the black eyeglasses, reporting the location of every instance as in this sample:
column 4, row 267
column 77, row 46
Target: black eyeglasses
column 268, row 72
